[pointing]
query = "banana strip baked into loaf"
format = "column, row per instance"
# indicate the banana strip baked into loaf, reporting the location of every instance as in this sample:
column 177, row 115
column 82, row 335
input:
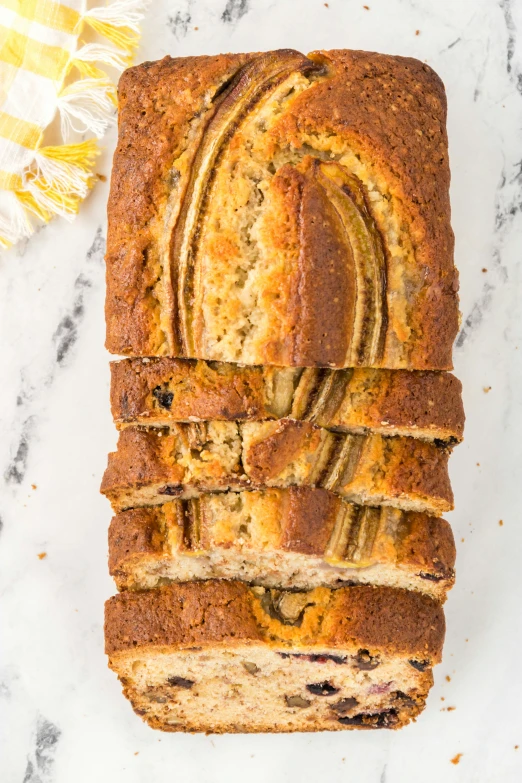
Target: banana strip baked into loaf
column 283, row 209
column 158, row 392
column 290, row 538
column 189, row 459
column 220, row 656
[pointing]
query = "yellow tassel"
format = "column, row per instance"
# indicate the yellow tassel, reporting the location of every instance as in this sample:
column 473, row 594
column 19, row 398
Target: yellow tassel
column 122, row 37
column 59, row 179
column 30, row 203
column 86, row 69
column 81, row 155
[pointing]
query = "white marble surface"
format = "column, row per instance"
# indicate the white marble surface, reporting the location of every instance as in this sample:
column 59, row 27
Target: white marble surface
column 62, row 717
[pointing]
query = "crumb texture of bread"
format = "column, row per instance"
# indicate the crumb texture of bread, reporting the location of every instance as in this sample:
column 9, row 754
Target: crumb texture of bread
column 190, row 459
column 296, row 538
column 158, row 392
column 220, row 656
column 239, row 181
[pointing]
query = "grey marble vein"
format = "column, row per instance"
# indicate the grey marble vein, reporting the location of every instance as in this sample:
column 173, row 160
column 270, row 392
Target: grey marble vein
column 66, row 333
column 96, row 251
column 234, row 10
column 476, row 316
column 15, row 471
column 511, row 67
column 41, row 759
column 63, row 338
column 179, row 23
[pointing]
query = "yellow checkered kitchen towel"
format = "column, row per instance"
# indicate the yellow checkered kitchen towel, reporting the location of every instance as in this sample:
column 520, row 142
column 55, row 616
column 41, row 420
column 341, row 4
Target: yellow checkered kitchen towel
column 53, row 64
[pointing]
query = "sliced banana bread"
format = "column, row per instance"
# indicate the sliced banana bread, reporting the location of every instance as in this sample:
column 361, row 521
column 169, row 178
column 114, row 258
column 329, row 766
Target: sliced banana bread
column 158, row 392
column 288, row 538
column 189, row 459
column 220, row 656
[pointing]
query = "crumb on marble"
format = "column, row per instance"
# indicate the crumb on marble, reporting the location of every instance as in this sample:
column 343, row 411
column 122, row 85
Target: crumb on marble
column 42, row 555
column 196, row 28
column 101, row 177
column 478, row 464
column 34, row 486
column 516, row 747
column 457, row 758
column 326, row 5
column 462, row 540
column 366, row 7
column 450, row 709
column 486, row 389
column 137, row 753
column 448, row 678
column 417, row 32
column 501, row 522
column 484, row 269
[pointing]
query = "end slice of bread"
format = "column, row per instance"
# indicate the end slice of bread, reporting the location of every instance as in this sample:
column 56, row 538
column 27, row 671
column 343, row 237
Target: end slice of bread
column 219, row 656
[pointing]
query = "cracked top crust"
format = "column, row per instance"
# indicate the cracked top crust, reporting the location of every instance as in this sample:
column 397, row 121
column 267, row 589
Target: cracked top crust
column 355, row 138
column 190, row 460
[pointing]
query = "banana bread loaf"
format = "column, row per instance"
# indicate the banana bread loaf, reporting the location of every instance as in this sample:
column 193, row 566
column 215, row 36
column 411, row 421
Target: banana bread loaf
column 157, row 392
column 291, row 538
column 190, row 459
column 240, row 181
column 220, row 656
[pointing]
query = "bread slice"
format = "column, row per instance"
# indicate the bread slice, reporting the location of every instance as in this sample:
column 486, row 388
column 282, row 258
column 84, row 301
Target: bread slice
column 191, row 459
column 281, row 209
column 158, row 392
column 220, row 656
column 296, row 538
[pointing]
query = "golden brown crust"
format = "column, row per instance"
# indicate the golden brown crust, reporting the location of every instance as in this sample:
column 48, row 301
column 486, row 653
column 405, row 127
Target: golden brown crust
column 156, row 392
column 137, row 531
column 307, row 519
column 427, row 543
column 401, row 472
column 268, row 456
column 416, row 400
column 390, row 110
column 395, row 622
column 296, row 520
column 182, row 615
column 157, row 105
column 194, row 389
column 323, row 312
column 400, row 621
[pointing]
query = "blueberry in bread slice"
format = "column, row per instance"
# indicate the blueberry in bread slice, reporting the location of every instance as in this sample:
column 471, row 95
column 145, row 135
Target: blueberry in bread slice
column 220, row 656
column 296, row 538
column 159, row 392
column 283, row 209
column 188, row 460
